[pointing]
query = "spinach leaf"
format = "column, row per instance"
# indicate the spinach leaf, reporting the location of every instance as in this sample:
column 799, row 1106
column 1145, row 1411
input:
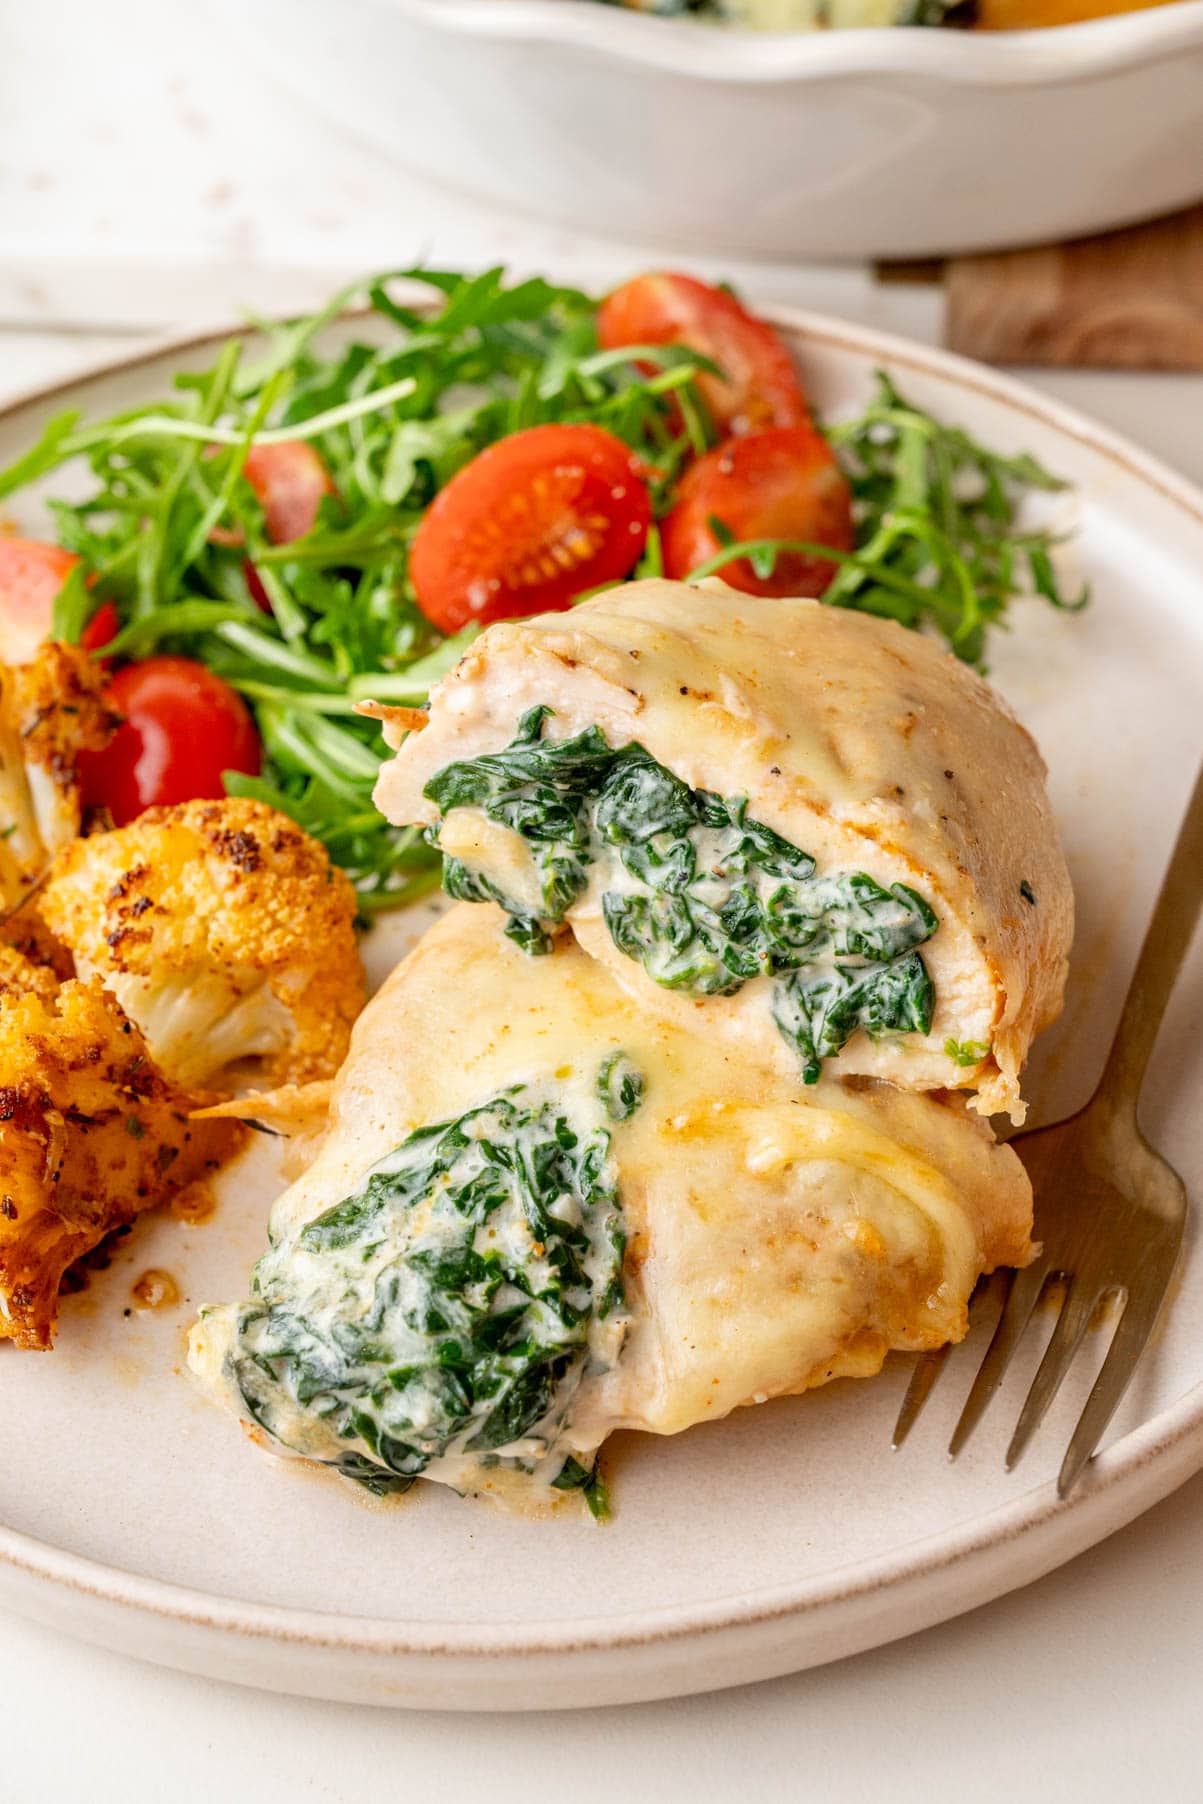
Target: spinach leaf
column 534, row 788
column 966, row 1052
column 451, row 1304
column 620, row 1087
column 818, row 1015
column 699, row 893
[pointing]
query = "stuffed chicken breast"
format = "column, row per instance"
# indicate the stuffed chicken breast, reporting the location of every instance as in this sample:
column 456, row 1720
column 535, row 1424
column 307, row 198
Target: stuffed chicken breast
column 814, row 828
column 542, row 1212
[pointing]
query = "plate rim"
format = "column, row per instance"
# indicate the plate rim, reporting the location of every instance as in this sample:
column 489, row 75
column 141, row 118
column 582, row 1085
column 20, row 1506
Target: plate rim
column 1167, row 1447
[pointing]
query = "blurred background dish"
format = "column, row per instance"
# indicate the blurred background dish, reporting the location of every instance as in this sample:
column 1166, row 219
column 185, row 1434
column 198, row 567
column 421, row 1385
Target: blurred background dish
column 831, row 144
column 821, row 15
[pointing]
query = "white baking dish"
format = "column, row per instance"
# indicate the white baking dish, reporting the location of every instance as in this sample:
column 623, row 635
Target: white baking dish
column 874, row 143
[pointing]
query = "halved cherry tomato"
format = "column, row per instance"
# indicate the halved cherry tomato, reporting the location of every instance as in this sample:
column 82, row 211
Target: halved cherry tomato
column 183, row 727
column 784, row 484
column 761, row 388
column 529, row 525
column 289, row 481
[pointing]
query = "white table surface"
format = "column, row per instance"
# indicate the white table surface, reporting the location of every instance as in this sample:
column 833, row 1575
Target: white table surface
column 149, row 179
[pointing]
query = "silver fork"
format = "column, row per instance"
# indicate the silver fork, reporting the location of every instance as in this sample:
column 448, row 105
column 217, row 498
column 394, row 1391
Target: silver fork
column 1109, row 1210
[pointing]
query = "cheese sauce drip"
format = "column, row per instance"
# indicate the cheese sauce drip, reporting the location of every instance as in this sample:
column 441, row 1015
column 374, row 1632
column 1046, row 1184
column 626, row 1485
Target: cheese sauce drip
column 704, row 897
column 445, row 1313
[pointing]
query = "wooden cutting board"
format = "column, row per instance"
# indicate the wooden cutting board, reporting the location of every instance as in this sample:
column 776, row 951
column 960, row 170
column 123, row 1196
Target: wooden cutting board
column 1130, row 300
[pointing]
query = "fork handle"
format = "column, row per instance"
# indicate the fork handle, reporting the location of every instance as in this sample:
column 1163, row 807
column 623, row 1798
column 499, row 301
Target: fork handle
column 1165, row 946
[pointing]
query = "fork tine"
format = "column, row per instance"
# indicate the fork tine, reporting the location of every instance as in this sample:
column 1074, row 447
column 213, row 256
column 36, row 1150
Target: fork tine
column 1022, row 1295
column 1058, row 1357
column 1127, row 1345
column 927, row 1369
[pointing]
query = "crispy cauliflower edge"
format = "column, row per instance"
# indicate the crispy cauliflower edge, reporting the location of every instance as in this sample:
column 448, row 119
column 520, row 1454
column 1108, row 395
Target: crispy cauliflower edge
column 225, row 933
column 91, row 1135
column 51, row 710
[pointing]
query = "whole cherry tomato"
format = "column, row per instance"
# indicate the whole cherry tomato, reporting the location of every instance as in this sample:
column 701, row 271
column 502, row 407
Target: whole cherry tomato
column 183, row 726
column 784, row 484
column 31, row 575
column 760, row 386
column 289, row 481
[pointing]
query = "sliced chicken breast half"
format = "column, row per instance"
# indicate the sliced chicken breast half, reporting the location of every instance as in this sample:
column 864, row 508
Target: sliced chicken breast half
column 543, row 1212
column 818, row 830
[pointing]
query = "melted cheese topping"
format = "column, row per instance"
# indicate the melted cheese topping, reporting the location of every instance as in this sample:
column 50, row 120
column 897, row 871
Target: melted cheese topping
column 773, row 1240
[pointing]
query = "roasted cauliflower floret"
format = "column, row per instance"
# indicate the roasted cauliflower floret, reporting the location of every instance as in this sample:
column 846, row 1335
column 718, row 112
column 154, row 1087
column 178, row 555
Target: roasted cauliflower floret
column 51, row 710
column 225, row 933
column 91, row 1134
column 23, row 974
column 26, row 932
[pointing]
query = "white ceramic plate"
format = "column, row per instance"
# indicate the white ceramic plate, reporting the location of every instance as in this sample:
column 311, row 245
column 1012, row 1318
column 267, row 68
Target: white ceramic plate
column 132, row 1512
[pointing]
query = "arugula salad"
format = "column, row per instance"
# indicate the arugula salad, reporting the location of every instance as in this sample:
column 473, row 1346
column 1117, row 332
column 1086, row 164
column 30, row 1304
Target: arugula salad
column 320, row 519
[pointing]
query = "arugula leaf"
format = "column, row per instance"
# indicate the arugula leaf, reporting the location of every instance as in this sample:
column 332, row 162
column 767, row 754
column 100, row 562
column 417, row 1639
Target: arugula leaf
column 940, row 511
column 938, row 541
column 72, row 606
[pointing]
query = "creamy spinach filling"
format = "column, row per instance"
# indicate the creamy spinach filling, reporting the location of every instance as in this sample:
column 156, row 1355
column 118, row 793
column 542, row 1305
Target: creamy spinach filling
column 452, row 1305
column 700, row 894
